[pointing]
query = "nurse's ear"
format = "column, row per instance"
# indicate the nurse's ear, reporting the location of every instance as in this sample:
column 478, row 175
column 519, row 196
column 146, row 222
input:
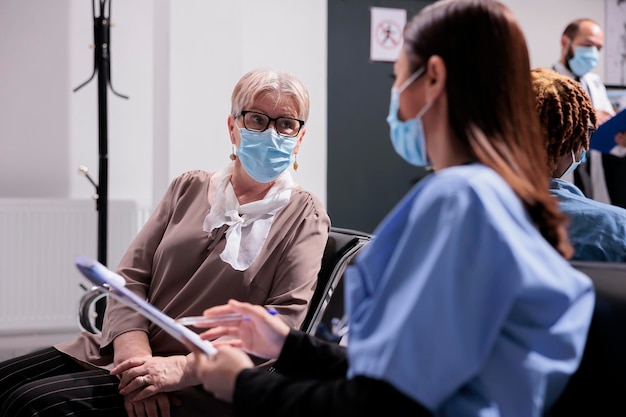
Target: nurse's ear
column 436, row 75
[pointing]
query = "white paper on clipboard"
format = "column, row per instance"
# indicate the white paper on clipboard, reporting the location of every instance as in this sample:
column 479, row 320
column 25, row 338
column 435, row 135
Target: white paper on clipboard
column 103, row 277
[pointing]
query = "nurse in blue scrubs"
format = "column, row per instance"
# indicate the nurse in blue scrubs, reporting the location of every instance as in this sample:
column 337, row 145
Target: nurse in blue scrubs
column 464, row 303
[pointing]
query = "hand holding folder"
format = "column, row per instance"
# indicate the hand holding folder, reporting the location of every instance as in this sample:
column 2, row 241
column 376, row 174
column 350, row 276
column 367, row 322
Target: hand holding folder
column 603, row 139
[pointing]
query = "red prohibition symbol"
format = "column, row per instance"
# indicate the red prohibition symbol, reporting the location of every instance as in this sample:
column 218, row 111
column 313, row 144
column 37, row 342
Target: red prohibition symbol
column 388, row 34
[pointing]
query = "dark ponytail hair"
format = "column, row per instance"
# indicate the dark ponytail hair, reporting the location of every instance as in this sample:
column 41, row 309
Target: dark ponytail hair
column 490, row 99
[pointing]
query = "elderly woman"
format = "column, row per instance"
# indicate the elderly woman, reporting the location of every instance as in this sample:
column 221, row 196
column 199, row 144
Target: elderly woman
column 247, row 232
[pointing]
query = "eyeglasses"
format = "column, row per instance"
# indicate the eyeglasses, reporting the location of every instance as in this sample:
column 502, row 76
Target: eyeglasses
column 259, row 122
column 590, row 132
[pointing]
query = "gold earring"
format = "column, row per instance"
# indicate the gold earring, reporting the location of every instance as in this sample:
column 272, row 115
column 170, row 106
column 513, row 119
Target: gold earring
column 295, row 162
column 233, row 154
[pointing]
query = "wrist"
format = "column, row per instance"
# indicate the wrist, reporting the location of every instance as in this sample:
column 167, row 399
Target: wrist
column 129, row 345
column 188, row 370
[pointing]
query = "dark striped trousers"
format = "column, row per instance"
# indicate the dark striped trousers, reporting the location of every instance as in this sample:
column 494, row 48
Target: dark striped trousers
column 47, row 383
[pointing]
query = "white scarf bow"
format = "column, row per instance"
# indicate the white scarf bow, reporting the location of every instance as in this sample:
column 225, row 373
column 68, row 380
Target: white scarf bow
column 249, row 224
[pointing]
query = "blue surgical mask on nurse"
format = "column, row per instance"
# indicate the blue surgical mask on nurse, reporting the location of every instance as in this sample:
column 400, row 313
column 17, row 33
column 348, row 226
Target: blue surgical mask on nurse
column 408, row 136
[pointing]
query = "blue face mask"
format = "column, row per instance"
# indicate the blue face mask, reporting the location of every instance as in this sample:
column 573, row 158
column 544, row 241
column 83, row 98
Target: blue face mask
column 575, row 163
column 265, row 155
column 584, row 60
column 408, row 137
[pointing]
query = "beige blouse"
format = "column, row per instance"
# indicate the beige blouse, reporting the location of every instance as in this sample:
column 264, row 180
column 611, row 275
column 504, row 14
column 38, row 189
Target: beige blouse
column 177, row 267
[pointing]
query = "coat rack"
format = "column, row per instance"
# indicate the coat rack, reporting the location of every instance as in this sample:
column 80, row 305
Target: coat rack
column 102, row 67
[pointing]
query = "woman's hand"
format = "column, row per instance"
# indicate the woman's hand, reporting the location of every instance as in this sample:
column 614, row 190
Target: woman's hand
column 602, row 116
column 218, row 373
column 145, row 376
column 620, row 138
column 259, row 333
column 157, row 405
column 132, row 352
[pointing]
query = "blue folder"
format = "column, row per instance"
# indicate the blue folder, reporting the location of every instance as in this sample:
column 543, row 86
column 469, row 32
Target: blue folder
column 603, row 139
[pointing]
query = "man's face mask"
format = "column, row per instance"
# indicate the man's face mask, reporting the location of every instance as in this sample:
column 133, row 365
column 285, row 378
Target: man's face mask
column 583, row 59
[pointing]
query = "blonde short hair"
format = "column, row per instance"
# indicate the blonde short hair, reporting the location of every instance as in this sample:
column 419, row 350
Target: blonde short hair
column 263, row 81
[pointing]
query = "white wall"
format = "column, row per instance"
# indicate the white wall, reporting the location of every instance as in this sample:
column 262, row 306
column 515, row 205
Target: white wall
column 34, row 98
column 177, row 61
column 543, row 22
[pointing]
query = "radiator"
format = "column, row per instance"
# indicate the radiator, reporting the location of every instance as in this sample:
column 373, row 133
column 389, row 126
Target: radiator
column 40, row 288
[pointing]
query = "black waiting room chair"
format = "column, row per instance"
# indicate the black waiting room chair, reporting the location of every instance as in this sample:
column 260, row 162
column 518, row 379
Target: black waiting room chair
column 598, row 387
column 327, row 302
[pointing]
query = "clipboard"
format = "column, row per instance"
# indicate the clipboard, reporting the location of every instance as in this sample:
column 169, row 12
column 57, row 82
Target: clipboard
column 603, row 139
column 113, row 284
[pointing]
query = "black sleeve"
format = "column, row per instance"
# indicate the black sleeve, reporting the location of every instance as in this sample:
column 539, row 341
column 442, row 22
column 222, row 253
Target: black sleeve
column 310, row 380
column 259, row 393
column 309, row 357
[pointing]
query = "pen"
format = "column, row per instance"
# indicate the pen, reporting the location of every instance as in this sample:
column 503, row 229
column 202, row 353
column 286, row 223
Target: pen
column 193, row 320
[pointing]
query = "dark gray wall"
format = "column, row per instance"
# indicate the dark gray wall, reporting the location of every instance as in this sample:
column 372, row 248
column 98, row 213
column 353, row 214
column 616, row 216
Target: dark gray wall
column 366, row 178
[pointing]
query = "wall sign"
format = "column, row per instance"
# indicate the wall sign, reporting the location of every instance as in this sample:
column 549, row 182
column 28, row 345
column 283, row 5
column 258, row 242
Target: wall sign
column 387, row 26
